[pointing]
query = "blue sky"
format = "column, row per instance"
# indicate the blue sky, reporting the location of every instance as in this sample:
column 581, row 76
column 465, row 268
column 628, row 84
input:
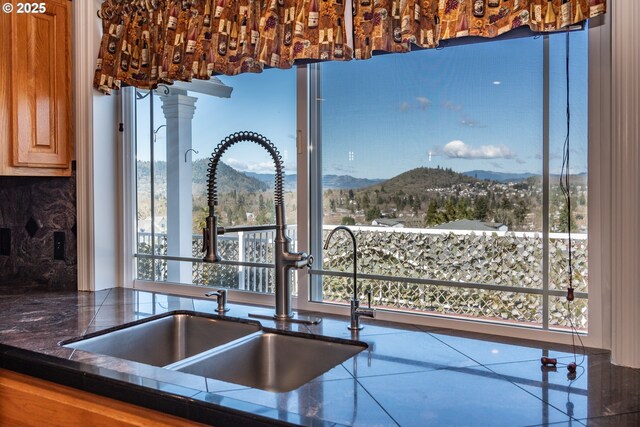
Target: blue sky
column 467, row 107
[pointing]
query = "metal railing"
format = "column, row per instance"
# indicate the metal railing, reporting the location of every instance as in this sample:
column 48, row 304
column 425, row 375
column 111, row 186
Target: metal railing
column 245, row 249
column 494, row 275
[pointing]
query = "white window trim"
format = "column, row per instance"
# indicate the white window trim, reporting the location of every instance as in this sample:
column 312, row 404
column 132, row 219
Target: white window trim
column 97, row 201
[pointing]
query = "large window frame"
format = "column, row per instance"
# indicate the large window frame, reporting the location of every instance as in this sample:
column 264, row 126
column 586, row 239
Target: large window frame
column 308, row 162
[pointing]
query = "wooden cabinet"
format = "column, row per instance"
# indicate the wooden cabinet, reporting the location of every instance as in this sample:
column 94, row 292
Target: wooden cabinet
column 36, row 116
column 28, row 401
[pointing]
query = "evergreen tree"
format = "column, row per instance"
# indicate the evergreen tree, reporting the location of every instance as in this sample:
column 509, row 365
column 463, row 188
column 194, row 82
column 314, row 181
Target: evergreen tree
column 365, row 201
column 481, row 208
column 433, row 216
column 562, row 225
column 463, row 210
column 520, row 211
column 373, row 213
column 449, row 210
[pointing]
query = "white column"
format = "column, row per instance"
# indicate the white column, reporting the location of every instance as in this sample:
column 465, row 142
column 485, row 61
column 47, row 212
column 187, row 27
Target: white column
column 625, row 194
column 178, row 110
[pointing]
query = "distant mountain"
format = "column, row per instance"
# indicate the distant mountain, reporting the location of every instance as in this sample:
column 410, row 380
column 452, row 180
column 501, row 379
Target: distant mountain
column 340, row 182
column 290, row 180
column 420, row 180
column 228, row 178
column 498, row 176
column 343, row 182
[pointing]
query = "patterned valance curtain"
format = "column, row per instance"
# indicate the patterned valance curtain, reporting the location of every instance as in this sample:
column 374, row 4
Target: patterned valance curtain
column 146, row 42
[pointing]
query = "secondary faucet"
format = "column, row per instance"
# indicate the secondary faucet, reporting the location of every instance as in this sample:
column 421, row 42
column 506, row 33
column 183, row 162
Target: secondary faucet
column 285, row 260
column 221, row 299
column 356, row 310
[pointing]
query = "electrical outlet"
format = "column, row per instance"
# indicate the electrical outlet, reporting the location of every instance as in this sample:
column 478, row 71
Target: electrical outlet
column 58, row 245
column 5, row 241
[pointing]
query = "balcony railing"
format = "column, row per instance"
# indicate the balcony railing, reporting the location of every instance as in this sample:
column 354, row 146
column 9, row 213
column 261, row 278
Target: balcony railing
column 491, row 275
column 245, row 248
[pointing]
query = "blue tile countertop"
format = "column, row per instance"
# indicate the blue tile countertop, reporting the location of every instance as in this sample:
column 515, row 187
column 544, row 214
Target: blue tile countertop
column 408, row 375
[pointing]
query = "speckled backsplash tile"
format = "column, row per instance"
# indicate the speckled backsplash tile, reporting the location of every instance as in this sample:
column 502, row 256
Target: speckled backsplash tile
column 33, row 208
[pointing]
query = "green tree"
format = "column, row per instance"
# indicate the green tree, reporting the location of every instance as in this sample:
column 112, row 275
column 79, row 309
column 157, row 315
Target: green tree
column 263, row 217
column 449, row 210
column 415, row 208
column 365, row 201
column 481, row 208
column 506, row 203
column 348, row 220
column 520, row 211
column 373, row 213
column 463, row 210
column 564, row 220
column 433, row 216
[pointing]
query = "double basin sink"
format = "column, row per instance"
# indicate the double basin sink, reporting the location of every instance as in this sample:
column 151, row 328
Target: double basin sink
column 234, row 351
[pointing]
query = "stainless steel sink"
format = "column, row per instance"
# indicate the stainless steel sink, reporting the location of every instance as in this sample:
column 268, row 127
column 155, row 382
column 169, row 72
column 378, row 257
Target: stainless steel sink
column 166, row 340
column 271, row 361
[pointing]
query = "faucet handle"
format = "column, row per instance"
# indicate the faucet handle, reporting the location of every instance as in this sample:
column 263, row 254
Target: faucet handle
column 205, row 239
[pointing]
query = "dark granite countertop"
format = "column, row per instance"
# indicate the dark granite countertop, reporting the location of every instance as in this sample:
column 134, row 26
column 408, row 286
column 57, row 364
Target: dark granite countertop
column 408, row 375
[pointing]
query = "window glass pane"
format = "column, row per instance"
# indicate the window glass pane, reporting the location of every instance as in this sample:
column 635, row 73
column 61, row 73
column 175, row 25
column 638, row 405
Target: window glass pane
column 558, row 211
column 188, row 125
column 435, row 161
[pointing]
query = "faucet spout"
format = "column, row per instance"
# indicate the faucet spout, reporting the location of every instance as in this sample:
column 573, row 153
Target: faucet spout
column 210, row 239
column 284, row 258
column 356, row 310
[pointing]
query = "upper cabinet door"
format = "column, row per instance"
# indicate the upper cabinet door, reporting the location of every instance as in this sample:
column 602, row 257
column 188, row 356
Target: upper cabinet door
column 41, row 134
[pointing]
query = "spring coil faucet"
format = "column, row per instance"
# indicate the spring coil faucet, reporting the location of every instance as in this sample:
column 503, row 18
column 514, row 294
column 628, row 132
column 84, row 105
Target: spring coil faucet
column 285, row 260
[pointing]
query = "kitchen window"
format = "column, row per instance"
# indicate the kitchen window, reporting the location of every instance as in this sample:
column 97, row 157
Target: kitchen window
column 177, row 129
column 445, row 165
column 447, row 168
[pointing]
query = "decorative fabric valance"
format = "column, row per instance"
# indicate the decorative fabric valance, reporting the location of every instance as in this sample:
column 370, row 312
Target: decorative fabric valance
column 146, row 42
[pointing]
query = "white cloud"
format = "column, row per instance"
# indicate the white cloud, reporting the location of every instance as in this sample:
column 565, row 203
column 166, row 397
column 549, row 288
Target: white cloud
column 460, row 150
column 343, row 169
column 257, row 167
column 423, row 102
column 471, row 123
column 405, row 106
column 450, row 105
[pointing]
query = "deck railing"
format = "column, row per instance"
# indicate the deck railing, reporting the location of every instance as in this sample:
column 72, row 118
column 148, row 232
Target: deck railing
column 493, row 275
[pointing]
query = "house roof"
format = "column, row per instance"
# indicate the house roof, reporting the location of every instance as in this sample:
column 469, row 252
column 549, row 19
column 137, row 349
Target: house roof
column 387, row 221
column 469, row 224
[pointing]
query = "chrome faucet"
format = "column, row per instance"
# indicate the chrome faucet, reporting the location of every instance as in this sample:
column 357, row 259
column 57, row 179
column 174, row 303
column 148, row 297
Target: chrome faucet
column 356, row 310
column 285, row 260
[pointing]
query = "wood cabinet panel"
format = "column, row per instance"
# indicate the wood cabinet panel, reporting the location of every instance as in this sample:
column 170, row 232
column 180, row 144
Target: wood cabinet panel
column 28, row 401
column 36, row 91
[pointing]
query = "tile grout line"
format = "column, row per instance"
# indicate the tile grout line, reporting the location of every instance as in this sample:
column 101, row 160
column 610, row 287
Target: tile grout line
column 378, row 403
column 506, row 379
column 84, row 332
column 367, row 391
column 95, row 315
